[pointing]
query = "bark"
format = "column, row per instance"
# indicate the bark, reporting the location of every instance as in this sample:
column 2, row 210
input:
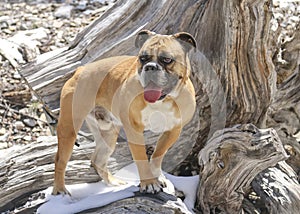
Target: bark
column 281, row 184
column 284, row 112
column 232, row 159
column 161, row 203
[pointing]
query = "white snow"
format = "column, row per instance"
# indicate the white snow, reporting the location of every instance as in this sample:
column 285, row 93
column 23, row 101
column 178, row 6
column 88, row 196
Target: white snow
column 188, row 185
column 87, row 196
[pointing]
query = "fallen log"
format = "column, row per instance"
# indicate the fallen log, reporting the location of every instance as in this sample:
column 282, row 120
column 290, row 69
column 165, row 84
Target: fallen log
column 30, row 168
column 278, row 189
column 160, row 203
column 235, row 159
column 235, row 163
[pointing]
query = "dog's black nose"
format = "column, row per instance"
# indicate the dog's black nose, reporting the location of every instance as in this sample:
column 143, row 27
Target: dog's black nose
column 151, row 66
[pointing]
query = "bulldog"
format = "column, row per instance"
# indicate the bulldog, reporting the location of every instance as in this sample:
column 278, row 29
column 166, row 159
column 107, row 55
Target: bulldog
column 151, row 91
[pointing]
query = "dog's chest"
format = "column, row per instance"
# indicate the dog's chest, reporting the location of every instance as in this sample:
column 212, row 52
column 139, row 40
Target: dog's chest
column 159, row 117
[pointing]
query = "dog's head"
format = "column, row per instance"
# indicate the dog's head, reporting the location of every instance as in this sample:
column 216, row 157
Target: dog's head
column 163, row 62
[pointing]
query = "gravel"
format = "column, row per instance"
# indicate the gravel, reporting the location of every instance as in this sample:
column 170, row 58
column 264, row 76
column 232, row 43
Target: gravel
column 29, row 28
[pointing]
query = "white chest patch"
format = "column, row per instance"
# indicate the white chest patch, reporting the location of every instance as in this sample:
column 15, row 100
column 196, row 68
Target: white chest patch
column 159, row 117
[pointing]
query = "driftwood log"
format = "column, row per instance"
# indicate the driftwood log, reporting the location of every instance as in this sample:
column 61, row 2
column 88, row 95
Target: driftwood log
column 278, row 189
column 233, row 160
column 28, row 169
column 230, row 161
column 233, row 73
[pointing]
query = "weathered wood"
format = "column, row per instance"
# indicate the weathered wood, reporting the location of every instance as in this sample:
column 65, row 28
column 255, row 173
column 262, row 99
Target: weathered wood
column 284, row 112
column 31, row 168
column 229, row 162
column 278, row 188
column 287, row 53
column 238, row 83
column 236, row 155
column 160, row 203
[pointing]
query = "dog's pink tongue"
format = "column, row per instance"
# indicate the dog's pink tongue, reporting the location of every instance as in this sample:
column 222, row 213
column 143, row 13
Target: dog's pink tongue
column 152, row 94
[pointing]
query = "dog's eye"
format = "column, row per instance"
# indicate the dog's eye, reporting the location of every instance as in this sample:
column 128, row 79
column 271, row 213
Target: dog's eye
column 144, row 58
column 166, row 60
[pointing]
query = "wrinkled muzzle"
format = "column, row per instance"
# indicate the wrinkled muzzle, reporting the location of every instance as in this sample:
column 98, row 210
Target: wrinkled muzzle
column 156, row 81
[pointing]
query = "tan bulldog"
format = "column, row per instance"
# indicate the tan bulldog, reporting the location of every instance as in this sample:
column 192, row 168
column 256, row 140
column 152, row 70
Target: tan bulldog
column 149, row 91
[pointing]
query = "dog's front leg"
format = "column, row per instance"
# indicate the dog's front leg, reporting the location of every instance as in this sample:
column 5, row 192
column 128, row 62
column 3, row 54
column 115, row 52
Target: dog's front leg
column 135, row 137
column 148, row 182
column 166, row 140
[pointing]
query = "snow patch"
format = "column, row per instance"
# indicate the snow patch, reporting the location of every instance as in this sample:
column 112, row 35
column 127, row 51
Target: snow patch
column 92, row 195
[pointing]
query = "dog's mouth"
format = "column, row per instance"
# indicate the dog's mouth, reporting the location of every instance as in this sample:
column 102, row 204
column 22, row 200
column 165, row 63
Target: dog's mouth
column 153, row 93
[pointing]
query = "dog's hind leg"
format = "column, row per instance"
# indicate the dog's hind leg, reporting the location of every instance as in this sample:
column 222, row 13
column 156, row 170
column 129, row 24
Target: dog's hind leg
column 105, row 132
column 68, row 126
column 77, row 100
column 66, row 135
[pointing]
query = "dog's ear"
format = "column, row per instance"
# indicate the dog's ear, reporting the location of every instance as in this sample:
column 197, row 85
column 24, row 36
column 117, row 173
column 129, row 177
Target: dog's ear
column 186, row 39
column 142, row 37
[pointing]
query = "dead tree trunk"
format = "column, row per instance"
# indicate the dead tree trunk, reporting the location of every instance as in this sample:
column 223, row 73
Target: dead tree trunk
column 233, row 72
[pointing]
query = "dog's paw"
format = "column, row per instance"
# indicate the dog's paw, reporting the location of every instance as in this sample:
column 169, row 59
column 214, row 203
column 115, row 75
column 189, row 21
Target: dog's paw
column 60, row 191
column 113, row 181
column 168, row 187
column 152, row 186
column 107, row 177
